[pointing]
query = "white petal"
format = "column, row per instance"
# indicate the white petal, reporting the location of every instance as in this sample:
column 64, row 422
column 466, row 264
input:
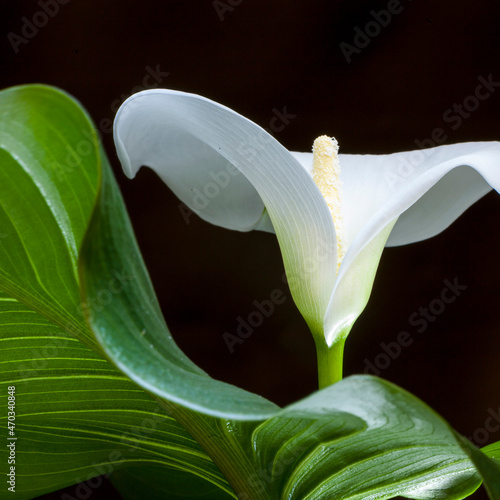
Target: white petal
column 430, row 195
column 426, row 189
column 200, row 177
column 185, row 138
column 354, row 284
column 447, row 181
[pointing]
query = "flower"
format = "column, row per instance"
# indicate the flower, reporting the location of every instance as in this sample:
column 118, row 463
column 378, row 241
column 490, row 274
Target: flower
column 233, row 173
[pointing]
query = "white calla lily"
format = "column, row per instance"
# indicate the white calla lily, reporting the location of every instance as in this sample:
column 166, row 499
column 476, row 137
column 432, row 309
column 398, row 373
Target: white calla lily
column 234, row 174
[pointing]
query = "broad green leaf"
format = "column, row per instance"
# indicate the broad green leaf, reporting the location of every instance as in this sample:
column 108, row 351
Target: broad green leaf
column 487, row 461
column 493, row 451
column 362, row 438
column 52, row 167
column 49, row 180
column 45, row 279
column 78, row 417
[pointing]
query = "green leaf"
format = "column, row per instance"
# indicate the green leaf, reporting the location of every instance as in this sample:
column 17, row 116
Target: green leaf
column 362, row 438
column 48, row 125
column 78, row 417
column 50, row 190
column 493, row 451
column 49, row 180
column 487, row 461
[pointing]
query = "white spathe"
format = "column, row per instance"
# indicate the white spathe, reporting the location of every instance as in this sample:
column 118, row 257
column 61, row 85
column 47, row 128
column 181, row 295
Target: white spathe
column 234, row 174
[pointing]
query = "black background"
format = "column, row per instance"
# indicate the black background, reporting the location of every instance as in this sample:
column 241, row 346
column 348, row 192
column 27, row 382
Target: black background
column 255, row 56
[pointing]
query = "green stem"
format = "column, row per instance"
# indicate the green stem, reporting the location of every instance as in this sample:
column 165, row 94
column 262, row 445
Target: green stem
column 330, row 363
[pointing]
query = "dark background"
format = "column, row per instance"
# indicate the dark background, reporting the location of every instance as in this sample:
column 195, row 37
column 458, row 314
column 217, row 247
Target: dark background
column 255, row 56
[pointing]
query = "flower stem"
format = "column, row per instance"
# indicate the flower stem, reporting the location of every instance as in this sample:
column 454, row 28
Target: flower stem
column 330, row 363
